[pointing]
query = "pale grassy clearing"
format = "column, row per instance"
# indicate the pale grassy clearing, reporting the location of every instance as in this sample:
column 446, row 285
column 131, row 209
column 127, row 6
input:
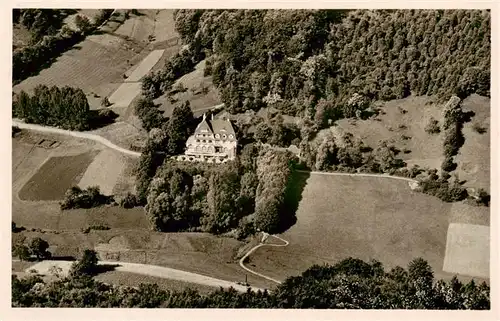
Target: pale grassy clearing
column 194, row 82
column 426, row 149
column 473, row 158
column 468, row 250
column 124, row 95
column 139, row 28
column 164, row 26
column 104, row 171
column 145, row 66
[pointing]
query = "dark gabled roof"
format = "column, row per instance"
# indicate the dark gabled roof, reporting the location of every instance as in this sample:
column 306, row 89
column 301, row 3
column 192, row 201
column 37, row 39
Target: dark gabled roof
column 216, row 126
column 222, row 126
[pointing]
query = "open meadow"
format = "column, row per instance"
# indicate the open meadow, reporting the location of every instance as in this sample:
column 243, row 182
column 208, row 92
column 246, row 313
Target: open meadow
column 366, row 218
column 403, row 121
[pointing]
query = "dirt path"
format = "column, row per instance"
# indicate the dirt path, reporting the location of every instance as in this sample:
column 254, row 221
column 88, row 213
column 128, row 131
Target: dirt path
column 264, row 237
column 150, row 270
column 85, row 135
column 410, row 180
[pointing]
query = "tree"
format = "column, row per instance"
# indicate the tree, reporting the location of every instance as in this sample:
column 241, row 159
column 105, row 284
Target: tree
column 87, row 265
column 21, row 251
column 83, row 24
column 179, row 128
column 39, row 247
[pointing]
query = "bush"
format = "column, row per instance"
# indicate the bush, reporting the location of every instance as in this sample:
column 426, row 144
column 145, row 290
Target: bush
column 432, row 127
column 129, row 201
column 105, row 102
column 448, row 164
column 96, row 228
column 87, row 198
column 478, row 128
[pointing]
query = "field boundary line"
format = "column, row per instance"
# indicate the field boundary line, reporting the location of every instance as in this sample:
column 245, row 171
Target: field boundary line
column 253, row 249
column 359, row 175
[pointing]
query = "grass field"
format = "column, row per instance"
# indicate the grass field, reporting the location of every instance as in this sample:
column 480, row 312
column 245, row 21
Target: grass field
column 366, row 218
column 28, row 166
column 55, row 177
column 96, row 65
column 104, row 171
column 134, row 280
column 194, row 82
column 427, row 150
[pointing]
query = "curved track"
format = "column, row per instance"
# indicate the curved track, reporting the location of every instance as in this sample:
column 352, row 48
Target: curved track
column 261, row 244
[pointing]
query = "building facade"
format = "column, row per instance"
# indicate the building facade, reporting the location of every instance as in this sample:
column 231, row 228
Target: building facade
column 213, row 141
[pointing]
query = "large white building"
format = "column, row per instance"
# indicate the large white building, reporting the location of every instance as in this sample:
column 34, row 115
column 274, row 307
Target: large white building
column 214, row 141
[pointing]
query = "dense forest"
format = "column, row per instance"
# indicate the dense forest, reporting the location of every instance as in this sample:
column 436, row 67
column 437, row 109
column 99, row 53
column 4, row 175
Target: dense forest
column 349, row 284
column 293, row 59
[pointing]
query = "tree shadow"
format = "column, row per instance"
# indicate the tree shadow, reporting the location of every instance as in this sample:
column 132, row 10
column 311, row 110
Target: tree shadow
column 101, row 117
column 103, row 268
column 293, row 196
column 63, row 258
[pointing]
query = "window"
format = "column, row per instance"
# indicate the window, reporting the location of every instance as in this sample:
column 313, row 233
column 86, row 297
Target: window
column 217, row 136
column 231, row 136
column 223, row 136
column 197, row 140
column 218, row 149
column 204, row 148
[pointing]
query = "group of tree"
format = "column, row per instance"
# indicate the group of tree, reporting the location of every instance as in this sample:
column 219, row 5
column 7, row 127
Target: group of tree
column 65, row 107
column 349, row 284
column 49, row 39
column 90, row 197
column 325, row 64
column 167, row 137
column 454, row 119
column 277, row 132
column 274, row 170
column 222, row 198
column 40, row 22
column 37, row 247
column 343, row 152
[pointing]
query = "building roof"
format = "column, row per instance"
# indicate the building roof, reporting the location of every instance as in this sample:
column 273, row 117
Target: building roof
column 216, row 126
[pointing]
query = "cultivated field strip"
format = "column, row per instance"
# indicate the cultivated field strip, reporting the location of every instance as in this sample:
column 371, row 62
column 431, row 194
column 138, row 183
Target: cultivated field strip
column 104, row 172
column 145, row 66
column 467, row 250
column 123, row 96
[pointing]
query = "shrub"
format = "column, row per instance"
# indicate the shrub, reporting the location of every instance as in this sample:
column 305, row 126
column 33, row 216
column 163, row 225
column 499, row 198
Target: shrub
column 96, row 228
column 87, row 198
column 432, row 127
column 129, row 201
column 105, row 102
column 478, row 128
column 448, row 164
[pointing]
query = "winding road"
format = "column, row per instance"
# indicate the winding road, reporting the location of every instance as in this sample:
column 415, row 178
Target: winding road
column 261, row 244
column 44, row 267
column 85, row 135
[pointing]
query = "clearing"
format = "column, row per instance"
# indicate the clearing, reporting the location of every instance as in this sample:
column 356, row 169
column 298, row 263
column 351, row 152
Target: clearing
column 402, row 123
column 392, row 224
column 200, row 92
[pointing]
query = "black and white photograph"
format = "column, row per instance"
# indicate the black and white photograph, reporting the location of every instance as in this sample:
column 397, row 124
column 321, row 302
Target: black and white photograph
column 300, row 158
